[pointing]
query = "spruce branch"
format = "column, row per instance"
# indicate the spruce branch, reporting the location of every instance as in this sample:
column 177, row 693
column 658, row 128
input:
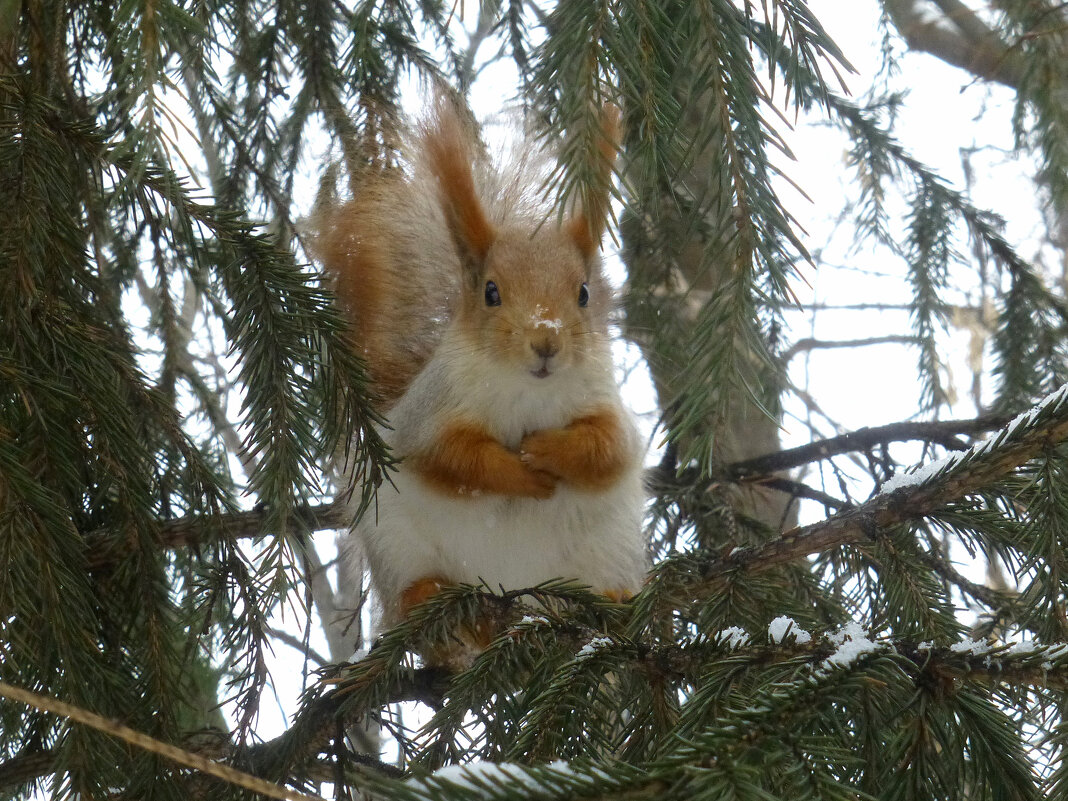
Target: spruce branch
column 317, row 724
column 201, row 530
column 138, row 739
column 880, row 155
column 932, row 487
column 198, row 530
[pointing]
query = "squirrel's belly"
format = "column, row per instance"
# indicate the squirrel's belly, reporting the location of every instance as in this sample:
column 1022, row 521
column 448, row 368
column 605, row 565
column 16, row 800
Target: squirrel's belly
column 594, row 538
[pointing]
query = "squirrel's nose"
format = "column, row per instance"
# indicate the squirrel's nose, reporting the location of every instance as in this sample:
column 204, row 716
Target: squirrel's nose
column 545, row 348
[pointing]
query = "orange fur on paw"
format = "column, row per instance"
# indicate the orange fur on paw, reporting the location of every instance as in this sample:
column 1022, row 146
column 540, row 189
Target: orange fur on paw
column 419, row 591
column 590, row 453
column 618, row 596
column 465, row 460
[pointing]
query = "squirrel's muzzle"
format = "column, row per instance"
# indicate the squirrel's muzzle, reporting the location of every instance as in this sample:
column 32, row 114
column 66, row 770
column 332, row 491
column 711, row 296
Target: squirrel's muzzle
column 545, row 347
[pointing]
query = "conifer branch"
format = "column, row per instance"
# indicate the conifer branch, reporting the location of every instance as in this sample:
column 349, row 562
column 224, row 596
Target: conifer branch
column 130, row 736
column 198, row 530
column 935, row 485
column 314, row 728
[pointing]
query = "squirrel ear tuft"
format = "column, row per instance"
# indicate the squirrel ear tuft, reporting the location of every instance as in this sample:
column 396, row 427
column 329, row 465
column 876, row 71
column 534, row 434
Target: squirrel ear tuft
column 447, row 143
column 587, row 225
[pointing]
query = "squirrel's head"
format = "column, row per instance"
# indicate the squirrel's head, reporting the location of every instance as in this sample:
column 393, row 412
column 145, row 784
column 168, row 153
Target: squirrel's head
column 533, row 295
column 536, row 304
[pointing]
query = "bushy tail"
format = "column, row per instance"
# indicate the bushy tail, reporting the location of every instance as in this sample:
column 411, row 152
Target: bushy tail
column 394, row 251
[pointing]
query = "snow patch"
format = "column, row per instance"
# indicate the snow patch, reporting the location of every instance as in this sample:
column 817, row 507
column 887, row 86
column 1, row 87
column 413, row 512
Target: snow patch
column 538, row 319
column 780, row 626
column 918, row 475
column 850, row 631
column 594, row 645
column 358, row 655
column 973, row 647
column 540, row 322
column 733, row 637
column 484, row 778
column 1055, row 651
column 1025, row 417
column 922, row 473
column 852, row 642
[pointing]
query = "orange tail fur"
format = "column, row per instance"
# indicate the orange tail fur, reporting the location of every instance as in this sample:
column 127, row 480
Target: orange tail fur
column 398, row 249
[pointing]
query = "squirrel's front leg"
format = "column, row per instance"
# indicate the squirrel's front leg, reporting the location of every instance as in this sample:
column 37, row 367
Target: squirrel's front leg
column 590, row 453
column 464, row 458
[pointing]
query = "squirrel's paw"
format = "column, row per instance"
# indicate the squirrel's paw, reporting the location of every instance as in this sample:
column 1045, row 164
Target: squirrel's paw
column 588, row 454
column 518, row 478
column 542, row 484
column 542, row 451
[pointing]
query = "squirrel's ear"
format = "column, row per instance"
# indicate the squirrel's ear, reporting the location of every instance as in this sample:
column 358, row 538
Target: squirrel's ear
column 447, row 143
column 588, row 223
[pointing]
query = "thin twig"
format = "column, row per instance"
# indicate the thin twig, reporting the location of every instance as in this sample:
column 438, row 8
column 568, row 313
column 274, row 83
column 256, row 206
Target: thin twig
column 809, row 343
column 800, row 490
column 944, row 432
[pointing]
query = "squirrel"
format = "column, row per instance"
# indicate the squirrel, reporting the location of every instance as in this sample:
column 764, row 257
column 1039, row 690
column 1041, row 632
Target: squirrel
column 483, row 323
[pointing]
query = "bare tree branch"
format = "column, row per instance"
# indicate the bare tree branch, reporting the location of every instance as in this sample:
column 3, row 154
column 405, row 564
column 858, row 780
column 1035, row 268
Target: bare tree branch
column 487, row 20
column 944, row 432
column 991, row 597
column 181, row 756
column 800, row 490
column 966, row 20
column 975, row 49
column 809, row 343
column 299, row 645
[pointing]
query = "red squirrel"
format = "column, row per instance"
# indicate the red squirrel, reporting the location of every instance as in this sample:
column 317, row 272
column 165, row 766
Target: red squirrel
column 484, row 325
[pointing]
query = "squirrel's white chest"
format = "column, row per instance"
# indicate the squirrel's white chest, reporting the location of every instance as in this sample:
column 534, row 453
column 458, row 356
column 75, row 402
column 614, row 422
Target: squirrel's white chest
column 594, row 538
column 511, row 407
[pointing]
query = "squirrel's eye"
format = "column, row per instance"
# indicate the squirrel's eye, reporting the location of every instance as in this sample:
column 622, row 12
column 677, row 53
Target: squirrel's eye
column 493, row 297
column 584, row 295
